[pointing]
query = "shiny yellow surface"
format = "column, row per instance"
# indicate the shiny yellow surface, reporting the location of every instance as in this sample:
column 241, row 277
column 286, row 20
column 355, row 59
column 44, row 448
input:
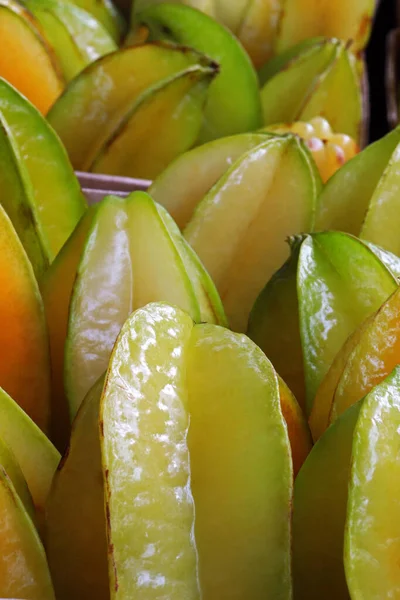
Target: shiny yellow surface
column 344, row 201
column 373, row 358
column 25, row 362
column 36, row 456
column 285, row 93
column 381, row 220
column 340, row 283
column 329, row 150
column 253, row 22
column 182, row 185
column 233, row 102
column 258, row 28
column 296, row 423
column 161, row 125
column 106, row 13
column 56, row 288
column 52, row 191
column 304, row 19
column 266, row 196
column 373, row 525
column 188, row 514
column 241, row 468
column 129, row 259
column 14, row 200
column 210, row 305
column 344, row 111
column 75, row 521
column 86, row 113
column 23, row 567
column 42, row 83
column 321, row 409
column 75, row 36
column 320, row 81
column 319, row 515
column 144, row 422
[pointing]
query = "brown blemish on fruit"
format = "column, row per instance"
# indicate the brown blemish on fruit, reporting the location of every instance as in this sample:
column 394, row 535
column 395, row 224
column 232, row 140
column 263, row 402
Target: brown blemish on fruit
column 365, row 26
column 64, row 458
column 108, row 527
column 26, row 214
column 165, row 30
column 101, row 427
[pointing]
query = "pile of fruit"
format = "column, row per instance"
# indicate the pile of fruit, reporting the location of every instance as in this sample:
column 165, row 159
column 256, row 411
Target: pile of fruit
column 200, row 383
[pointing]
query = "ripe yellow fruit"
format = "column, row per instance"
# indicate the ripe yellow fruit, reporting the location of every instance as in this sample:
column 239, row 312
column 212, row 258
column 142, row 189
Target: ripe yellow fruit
column 330, row 150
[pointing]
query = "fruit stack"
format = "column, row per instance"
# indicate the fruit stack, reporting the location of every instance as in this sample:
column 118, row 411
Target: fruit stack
column 200, row 383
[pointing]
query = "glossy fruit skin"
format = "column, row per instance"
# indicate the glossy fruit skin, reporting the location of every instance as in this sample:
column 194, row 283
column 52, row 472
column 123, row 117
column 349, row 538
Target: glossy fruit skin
column 107, row 13
column 319, row 514
column 23, row 565
column 237, row 84
column 304, row 19
column 56, row 288
column 246, row 527
column 296, row 318
column 22, row 34
column 134, row 273
column 345, row 501
column 25, row 364
column 298, row 430
column 321, row 410
column 182, row 185
column 235, row 532
column 241, row 267
column 36, row 455
column 274, row 325
column 361, row 372
column 112, row 289
column 159, row 529
column 329, row 150
column 372, row 510
column 10, row 465
column 158, row 126
column 75, row 36
column 323, row 79
column 348, row 283
column 108, row 90
column 381, row 220
column 48, row 196
column 254, row 23
column 369, row 355
column 345, row 199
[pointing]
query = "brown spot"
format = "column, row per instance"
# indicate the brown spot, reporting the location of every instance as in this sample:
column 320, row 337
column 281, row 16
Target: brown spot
column 110, row 544
column 101, row 427
column 215, row 66
column 365, row 26
column 111, row 551
column 165, row 30
column 64, row 458
column 108, row 523
column 26, row 214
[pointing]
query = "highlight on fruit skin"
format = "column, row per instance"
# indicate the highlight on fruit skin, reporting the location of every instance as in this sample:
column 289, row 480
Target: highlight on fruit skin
column 22, row 38
column 330, row 150
column 318, row 77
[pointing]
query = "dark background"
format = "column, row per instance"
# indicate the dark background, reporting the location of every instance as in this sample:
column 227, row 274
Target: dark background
column 385, row 20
